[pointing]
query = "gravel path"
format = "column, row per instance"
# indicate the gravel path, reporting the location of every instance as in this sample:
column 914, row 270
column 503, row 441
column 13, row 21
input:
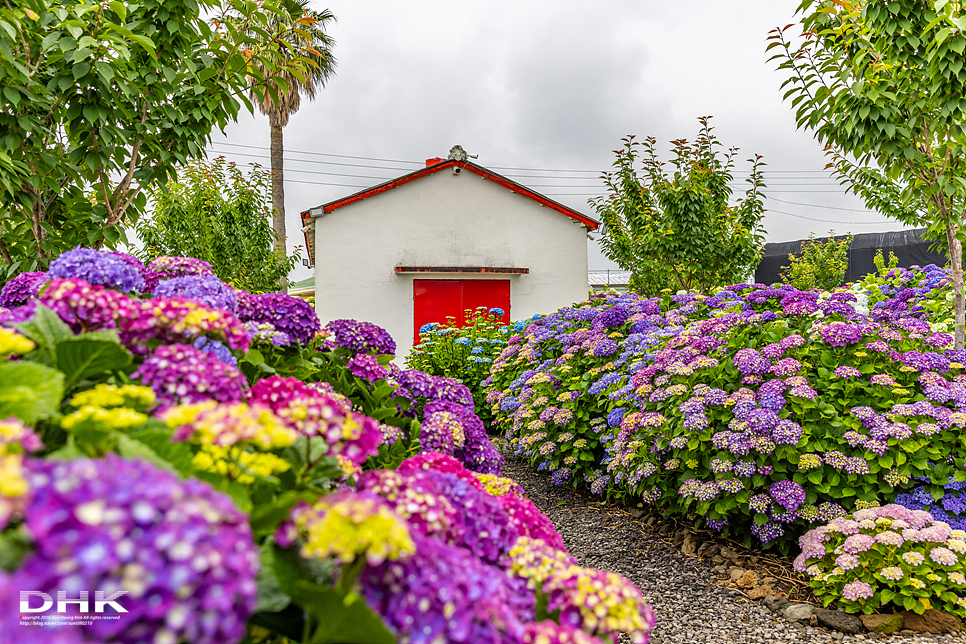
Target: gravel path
column 691, row 606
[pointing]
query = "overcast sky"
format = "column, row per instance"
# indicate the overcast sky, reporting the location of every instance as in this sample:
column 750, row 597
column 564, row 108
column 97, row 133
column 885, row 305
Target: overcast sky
column 543, row 91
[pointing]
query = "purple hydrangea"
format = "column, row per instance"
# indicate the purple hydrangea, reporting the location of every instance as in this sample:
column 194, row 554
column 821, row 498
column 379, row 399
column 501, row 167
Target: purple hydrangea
column 169, row 266
column 750, row 362
column 789, row 494
column 182, row 551
column 445, row 594
column 180, row 374
column 614, row 316
column 605, row 347
column 292, row 315
column 839, row 335
column 207, row 289
column 450, row 390
column 97, row 267
column 361, row 337
column 21, row 288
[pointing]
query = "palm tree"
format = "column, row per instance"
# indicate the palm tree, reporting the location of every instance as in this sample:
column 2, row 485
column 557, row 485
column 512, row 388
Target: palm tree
column 313, row 46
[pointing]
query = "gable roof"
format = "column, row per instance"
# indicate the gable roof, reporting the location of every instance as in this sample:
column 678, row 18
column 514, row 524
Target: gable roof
column 479, row 170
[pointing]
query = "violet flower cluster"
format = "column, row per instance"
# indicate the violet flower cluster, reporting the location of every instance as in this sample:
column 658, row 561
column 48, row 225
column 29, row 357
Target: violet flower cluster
column 97, row 267
column 180, row 374
column 179, row 555
column 361, row 337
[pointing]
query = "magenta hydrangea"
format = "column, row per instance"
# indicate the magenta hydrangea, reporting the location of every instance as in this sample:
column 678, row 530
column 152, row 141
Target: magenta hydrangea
column 181, row 374
column 21, row 288
column 367, row 367
column 183, row 552
column 440, row 463
column 168, row 320
column 530, row 522
column 87, row 307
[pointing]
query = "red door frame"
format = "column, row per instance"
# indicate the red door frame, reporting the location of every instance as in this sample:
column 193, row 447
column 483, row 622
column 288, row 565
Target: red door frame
column 435, row 300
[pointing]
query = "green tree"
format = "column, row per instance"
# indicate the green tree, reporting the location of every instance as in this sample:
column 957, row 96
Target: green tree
column 216, row 213
column 880, row 83
column 102, row 99
column 286, row 85
column 679, row 230
column 820, row 265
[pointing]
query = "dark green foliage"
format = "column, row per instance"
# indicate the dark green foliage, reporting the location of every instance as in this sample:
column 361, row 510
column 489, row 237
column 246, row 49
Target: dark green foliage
column 101, row 100
column 678, row 231
column 880, row 83
column 216, row 213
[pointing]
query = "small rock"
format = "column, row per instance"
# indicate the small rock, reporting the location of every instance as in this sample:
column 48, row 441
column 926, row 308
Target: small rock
column 712, row 549
column 753, row 560
column 932, row 621
column 736, row 574
column 887, row 624
column 839, row 621
column 689, row 546
column 650, row 522
column 718, row 560
column 813, row 621
column 728, row 553
column 796, row 613
column 775, row 602
column 837, row 635
column 759, row 591
column 637, row 514
column 770, row 581
column 748, row 580
column 720, row 570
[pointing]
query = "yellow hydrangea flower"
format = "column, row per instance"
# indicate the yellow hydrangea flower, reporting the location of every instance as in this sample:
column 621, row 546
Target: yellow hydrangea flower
column 120, row 418
column 115, row 396
column 347, row 525
column 12, row 342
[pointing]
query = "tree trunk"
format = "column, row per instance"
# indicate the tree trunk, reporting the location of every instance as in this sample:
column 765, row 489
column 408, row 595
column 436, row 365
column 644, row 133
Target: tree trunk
column 278, row 189
column 956, row 262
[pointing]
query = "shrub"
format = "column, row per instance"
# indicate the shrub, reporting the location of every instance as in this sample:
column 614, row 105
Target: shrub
column 285, row 475
column 884, row 556
column 758, row 411
column 821, row 265
column 464, row 353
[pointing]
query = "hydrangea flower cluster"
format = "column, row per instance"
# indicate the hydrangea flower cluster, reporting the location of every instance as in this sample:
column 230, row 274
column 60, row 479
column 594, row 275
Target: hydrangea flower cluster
column 179, row 373
column 182, row 552
column 87, row 307
column 361, row 337
column 290, row 315
column 167, row 267
column 879, row 556
column 175, row 319
column 350, row 524
column 22, row 288
column 97, row 267
column 206, row 289
column 234, row 439
column 311, row 412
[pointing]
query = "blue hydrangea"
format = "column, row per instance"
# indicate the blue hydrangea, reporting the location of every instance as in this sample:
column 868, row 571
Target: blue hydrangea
column 476, row 350
column 463, row 341
column 96, row 267
column 498, row 312
column 207, row 289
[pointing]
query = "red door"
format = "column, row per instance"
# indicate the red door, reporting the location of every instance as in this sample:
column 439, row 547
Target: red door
column 435, row 300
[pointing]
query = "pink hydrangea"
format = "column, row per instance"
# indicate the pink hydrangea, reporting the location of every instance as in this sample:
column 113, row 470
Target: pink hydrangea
column 858, row 543
column 857, row 590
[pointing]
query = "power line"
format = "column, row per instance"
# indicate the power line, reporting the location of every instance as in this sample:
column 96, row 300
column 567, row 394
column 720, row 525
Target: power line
column 815, row 205
column 827, row 221
column 321, row 154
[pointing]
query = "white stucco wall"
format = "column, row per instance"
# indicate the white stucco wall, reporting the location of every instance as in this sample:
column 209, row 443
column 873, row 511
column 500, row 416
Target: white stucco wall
column 444, row 220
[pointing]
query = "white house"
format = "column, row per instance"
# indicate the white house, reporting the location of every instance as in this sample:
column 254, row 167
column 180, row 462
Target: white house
column 448, row 237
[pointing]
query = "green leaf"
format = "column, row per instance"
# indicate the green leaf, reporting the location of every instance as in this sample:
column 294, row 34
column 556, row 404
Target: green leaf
column 30, row 391
column 271, row 597
column 341, row 619
column 85, row 357
column 46, row 329
column 178, row 455
column 131, row 448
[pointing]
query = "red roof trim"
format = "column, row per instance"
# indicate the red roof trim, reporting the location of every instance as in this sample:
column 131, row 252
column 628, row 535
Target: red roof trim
column 509, row 184
column 461, row 269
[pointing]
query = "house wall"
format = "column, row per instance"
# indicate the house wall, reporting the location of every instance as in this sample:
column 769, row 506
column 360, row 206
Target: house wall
column 443, row 220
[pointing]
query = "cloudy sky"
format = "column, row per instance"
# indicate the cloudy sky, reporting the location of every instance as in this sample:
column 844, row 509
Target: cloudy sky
column 543, row 91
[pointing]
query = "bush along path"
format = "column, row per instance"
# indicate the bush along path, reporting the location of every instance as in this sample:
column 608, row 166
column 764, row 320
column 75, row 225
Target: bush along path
column 701, row 587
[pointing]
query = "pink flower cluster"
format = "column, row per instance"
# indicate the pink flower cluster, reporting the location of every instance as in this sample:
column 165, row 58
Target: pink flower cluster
column 175, row 319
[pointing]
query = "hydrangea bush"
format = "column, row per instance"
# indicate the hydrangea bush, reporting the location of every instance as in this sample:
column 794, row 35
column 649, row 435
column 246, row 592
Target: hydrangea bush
column 884, row 556
column 222, row 457
column 463, row 352
column 760, row 410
